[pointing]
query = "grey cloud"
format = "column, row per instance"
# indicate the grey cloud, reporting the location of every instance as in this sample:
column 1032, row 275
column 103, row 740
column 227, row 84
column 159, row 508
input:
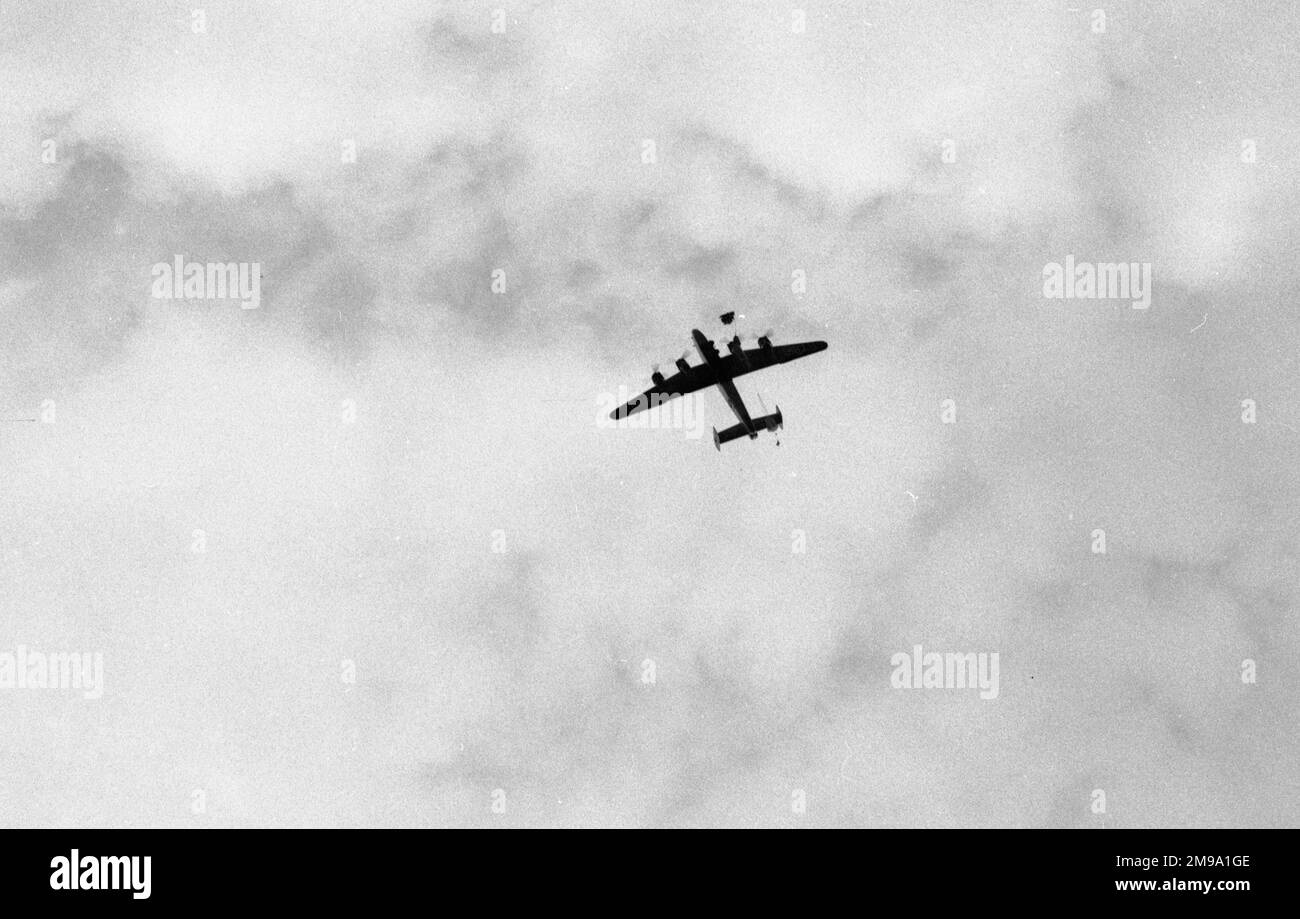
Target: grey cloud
column 368, row 538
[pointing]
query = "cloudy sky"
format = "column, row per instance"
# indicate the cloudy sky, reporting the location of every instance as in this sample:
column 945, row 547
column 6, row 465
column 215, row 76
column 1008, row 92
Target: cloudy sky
column 366, row 555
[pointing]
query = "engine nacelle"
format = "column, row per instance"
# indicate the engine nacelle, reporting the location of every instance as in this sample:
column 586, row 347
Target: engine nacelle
column 682, row 365
column 657, row 377
column 735, row 347
column 766, row 344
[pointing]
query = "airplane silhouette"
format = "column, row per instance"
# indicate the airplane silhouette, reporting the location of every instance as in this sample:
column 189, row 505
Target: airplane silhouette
column 721, row 371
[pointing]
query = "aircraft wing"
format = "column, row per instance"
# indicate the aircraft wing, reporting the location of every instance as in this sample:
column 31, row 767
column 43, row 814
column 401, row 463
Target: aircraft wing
column 751, row 359
column 676, row 385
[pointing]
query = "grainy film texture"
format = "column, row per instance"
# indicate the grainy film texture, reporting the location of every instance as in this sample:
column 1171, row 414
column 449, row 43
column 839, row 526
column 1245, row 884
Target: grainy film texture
column 314, row 315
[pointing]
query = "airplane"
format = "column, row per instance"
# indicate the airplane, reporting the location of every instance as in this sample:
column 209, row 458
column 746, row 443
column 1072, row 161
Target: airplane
column 721, row 371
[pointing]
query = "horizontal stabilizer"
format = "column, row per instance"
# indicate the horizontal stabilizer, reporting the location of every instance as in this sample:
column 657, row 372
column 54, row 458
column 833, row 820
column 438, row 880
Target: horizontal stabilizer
column 730, row 434
column 770, row 422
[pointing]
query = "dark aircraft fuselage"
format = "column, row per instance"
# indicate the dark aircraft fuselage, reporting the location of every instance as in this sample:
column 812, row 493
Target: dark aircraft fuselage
column 710, row 356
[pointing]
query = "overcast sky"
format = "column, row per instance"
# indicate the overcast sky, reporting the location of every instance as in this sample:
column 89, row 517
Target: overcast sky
column 365, row 555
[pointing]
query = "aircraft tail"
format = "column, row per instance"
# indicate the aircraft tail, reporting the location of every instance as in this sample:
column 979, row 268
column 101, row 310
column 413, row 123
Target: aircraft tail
column 770, row 422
